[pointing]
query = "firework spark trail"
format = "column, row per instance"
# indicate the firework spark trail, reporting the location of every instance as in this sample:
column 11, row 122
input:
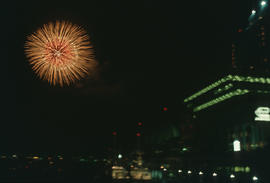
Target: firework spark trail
column 60, row 53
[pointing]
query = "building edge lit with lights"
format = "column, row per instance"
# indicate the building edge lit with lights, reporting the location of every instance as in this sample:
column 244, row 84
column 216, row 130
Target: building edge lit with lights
column 230, row 117
column 232, row 108
column 250, row 42
column 236, row 107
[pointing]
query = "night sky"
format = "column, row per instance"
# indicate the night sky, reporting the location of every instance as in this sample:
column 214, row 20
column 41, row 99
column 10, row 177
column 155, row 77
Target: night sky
column 150, row 54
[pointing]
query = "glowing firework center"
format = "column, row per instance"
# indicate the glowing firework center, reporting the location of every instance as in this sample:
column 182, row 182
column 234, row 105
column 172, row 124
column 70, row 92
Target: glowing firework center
column 60, row 52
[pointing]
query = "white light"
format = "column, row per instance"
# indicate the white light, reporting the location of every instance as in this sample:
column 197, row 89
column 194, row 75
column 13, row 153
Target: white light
column 179, row 171
column 254, row 178
column 120, row 156
column 189, row 172
column 200, row 173
column 236, row 145
column 262, row 114
column 232, row 176
column 214, row 174
column 263, row 3
column 164, row 169
column 253, row 12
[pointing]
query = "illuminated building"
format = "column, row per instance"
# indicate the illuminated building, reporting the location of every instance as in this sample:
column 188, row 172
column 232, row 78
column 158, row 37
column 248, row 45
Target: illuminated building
column 119, row 172
column 251, row 43
column 232, row 108
column 237, row 106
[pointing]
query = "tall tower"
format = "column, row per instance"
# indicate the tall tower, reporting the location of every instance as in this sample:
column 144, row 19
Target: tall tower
column 250, row 49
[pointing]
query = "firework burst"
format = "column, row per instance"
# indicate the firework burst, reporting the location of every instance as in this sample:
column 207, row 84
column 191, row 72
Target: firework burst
column 60, row 53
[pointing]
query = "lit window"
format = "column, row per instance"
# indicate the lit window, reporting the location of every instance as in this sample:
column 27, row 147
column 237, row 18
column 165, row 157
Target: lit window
column 236, row 146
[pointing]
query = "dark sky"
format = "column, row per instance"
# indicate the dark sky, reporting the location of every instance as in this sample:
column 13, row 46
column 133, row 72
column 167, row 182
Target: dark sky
column 150, row 54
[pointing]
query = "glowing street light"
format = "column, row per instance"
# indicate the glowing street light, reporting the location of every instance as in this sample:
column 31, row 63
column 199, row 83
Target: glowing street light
column 253, row 12
column 214, row 174
column 179, row 171
column 263, row 3
column 189, row 172
column 120, row 156
column 254, row 178
column 232, row 176
column 200, row 173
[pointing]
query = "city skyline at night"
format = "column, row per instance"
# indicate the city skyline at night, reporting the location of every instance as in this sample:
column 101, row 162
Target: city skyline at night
column 135, row 76
column 115, row 91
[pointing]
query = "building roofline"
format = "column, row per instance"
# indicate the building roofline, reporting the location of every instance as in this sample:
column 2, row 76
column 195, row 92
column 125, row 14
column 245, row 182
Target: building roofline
column 236, row 78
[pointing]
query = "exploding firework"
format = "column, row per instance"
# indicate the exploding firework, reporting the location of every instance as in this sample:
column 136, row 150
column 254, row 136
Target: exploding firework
column 60, row 53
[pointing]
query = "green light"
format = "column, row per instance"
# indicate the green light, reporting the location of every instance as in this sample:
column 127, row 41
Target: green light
column 229, row 78
column 220, row 99
column 184, row 149
column 210, row 87
column 226, row 87
column 247, row 169
column 82, row 160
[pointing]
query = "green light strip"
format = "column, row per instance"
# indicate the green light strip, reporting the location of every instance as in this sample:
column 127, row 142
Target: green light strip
column 263, row 91
column 210, row 87
column 220, row 99
column 229, row 78
column 227, row 87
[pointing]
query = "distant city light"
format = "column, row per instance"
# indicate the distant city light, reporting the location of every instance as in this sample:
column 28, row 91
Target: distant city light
column 14, row 156
column 140, row 123
column 120, row 156
column 236, row 146
column 165, row 169
column 214, row 174
column 247, row 169
column 263, row 3
column 184, row 149
column 254, row 178
column 232, row 176
column 253, row 12
column 189, row 172
column 200, row 173
column 179, row 171
column 138, row 134
column 36, row 157
column 161, row 167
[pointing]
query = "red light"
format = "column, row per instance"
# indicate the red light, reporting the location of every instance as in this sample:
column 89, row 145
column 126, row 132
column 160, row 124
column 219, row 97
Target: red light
column 138, row 134
column 165, row 109
column 114, row 133
column 240, row 30
column 140, row 123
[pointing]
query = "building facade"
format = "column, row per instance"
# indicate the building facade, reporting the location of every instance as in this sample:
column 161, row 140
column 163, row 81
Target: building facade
column 232, row 108
column 250, row 47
